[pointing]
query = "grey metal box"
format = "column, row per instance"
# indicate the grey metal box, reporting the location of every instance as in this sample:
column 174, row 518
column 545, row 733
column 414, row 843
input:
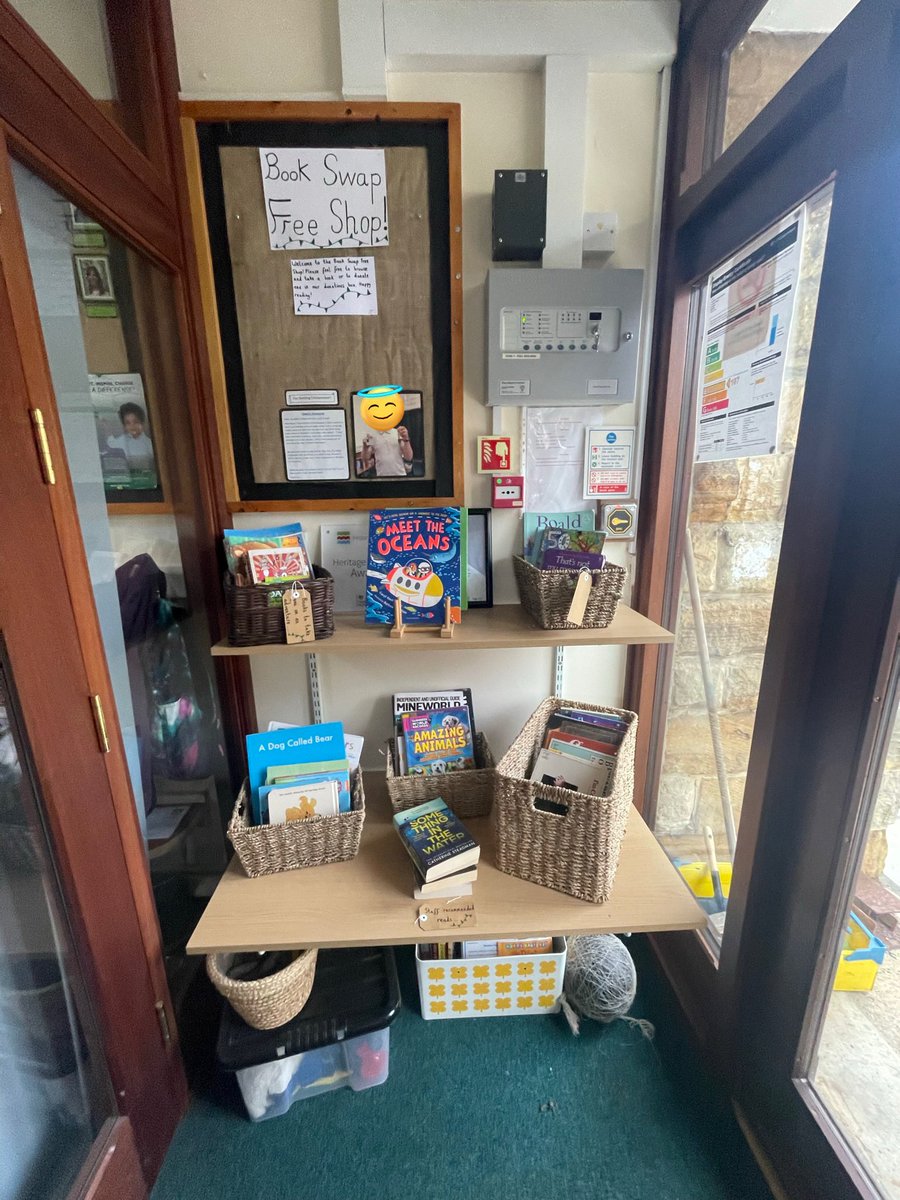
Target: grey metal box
column 518, row 216
column 557, row 336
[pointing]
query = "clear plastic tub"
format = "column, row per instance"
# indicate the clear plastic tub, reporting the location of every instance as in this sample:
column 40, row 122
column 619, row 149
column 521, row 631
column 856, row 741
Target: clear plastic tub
column 362, row 1062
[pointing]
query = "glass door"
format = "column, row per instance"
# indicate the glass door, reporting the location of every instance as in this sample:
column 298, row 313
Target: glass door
column 112, row 345
column 56, row 1090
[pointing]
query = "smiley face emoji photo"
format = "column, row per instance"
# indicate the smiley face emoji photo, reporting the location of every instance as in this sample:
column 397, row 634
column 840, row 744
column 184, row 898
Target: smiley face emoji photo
column 381, row 407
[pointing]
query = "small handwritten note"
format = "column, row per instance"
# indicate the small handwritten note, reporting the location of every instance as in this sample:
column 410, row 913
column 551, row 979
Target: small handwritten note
column 434, row 917
column 298, row 616
column 334, row 287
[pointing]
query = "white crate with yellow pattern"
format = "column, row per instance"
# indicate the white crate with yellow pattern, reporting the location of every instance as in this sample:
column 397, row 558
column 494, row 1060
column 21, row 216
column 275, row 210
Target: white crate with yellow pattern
column 514, row 986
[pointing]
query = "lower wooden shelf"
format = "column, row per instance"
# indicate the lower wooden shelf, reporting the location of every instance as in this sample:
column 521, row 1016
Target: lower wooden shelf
column 368, row 901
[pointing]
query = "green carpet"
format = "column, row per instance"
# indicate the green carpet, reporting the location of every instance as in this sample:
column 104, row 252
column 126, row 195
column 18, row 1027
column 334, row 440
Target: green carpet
column 467, row 1112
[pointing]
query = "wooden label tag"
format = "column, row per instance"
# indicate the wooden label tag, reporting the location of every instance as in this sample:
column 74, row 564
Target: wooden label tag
column 298, row 618
column 435, row 917
column 580, row 598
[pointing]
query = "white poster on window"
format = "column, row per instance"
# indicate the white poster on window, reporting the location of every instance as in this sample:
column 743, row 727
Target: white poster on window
column 323, row 199
column 746, row 331
column 334, row 287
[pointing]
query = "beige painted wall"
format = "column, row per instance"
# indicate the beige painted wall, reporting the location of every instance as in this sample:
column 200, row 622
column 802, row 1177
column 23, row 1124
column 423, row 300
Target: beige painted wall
column 225, row 51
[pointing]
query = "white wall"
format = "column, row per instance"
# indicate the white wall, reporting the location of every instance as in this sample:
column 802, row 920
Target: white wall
column 226, row 52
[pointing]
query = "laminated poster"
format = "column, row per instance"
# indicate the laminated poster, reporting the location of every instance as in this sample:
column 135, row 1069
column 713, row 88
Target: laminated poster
column 749, row 310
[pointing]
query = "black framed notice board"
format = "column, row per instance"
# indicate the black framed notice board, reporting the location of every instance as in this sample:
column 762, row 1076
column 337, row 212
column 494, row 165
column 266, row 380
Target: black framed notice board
column 329, row 244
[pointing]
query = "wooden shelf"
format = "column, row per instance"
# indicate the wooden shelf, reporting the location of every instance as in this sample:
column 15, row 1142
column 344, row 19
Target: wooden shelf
column 368, row 901
column 503, row 627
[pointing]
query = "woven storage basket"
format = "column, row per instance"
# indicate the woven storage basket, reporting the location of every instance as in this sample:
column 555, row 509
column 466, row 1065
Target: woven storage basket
column 467, row 793
column 270, row 1002
column 575, row 850
column 256, row 615
column 547, row 595
column 265, row 849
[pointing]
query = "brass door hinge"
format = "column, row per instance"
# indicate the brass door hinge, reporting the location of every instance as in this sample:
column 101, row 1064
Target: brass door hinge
column 100, row 723
column 43, row 445
column 163, row 1021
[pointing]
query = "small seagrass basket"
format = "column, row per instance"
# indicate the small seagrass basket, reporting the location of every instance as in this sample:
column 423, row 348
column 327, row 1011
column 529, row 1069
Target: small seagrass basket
column 467, row 793
column 265, row 849
column 565, row 840
column 256, row 614
column 547, row 595
column 270, row 1002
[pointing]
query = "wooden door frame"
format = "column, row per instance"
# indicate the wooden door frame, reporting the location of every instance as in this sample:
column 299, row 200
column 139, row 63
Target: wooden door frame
column 50, row 123
column 828, row 119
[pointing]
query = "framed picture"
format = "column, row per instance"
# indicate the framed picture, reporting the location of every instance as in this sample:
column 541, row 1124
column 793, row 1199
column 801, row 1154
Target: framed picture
column 80, row 220
column 94, row 278
column 479, row 573
column 388, row 434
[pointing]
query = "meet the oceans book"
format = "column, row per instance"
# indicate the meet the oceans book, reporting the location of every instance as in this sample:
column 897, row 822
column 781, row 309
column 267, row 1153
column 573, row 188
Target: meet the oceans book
column 416, row 556
column 436, row 840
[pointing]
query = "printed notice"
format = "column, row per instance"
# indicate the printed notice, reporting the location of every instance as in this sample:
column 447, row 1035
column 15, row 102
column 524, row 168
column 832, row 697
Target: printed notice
column 747, row 325
column 337, row 287
column 315, row 443
column 320, row 199
column 608, row 463
column 311, row 396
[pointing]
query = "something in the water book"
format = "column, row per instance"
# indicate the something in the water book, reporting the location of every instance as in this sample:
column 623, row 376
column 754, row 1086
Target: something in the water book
column 416, row 556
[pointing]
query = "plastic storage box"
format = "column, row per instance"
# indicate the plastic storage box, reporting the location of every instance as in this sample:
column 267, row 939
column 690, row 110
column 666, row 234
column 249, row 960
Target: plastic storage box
column 340, row 1039
column 514, row 985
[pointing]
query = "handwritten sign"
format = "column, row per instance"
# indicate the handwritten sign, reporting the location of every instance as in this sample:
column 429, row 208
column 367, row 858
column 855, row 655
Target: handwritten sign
column 298, row 616
column 435, row 917
column 334, row 287
column 321, row 199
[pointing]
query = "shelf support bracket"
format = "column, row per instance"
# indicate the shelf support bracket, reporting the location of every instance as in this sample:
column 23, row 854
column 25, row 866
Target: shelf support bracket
column 315, row 691
column 558, row 664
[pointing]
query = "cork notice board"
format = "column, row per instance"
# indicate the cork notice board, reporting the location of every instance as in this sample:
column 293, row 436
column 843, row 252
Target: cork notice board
column 270, row 353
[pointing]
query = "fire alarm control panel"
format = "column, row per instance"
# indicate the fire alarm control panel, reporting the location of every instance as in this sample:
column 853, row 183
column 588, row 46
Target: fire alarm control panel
column 559, row 336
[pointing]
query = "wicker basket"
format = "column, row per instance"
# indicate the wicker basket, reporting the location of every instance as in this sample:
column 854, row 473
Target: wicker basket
column 265, row 849
column 547, row 595
column 467, row 793
column 256, row 614
column 573, row 848
column 270, row 1002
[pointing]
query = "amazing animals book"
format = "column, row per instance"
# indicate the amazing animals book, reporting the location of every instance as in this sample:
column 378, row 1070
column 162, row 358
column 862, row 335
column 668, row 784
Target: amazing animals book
column 416, row 556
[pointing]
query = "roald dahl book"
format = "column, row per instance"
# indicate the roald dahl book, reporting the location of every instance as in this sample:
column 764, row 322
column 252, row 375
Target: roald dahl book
column 416, row 556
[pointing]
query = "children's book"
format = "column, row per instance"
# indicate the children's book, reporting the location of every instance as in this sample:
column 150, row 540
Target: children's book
column 279, row 566
column 534, row 522
column 416, row 556
column 565, row 771
column 353, row 743
column 571, row 560
column 436, row 840
column 438, row 742
column 336, row 772
column 302, row 744
column 574, row 541
column 300, row 801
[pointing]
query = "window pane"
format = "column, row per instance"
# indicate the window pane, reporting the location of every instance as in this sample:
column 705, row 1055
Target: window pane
column 735, row 524
column 775, row 46
column 858, row 1070
column 76, row 32
column 110, row 332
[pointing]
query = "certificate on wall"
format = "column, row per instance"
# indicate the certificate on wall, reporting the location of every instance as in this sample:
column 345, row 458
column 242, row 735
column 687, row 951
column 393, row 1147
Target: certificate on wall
column 315, row 443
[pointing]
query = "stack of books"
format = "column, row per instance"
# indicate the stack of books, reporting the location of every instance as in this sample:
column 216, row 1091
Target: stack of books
column 299, row 773
column 478, row 949
column 444, row 854
column 579, row 751
column 434, row 732
column 563, row 541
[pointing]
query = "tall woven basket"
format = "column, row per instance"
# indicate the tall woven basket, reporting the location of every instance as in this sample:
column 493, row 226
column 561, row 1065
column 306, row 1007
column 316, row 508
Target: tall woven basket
column 558, row 838
column 467, row 793
column 547, row 595
column 265, row 849
column 270, row 1002
column 256, row 614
